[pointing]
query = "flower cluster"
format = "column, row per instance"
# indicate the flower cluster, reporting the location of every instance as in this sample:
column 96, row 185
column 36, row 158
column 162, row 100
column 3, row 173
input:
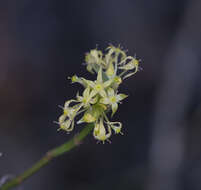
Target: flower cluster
column 100, row 97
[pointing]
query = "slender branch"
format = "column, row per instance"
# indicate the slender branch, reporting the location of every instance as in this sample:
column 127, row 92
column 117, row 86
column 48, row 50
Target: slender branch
column 64, row 148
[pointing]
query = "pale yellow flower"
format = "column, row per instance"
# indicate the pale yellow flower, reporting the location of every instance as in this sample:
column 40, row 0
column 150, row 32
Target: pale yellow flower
column 100, row 96
column 112, row 99
column 100, row 132
column 99, row 86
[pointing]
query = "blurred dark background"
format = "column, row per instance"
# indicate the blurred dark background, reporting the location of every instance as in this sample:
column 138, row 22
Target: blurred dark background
column 43, row 42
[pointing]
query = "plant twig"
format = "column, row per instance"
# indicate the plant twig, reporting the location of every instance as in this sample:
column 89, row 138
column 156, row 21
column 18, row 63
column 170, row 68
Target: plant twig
column 64, row 148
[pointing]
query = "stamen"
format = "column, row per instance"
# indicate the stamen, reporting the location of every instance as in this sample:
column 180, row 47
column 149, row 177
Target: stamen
column 108, row 141
column 56, row 122
column 61, row 107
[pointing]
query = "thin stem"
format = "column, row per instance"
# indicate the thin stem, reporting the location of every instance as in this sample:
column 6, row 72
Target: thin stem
column 64, row 148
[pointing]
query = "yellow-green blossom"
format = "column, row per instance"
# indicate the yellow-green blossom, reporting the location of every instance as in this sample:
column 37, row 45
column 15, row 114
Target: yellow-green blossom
column 87, row 98
column 100, row 96
column 130, row 65
column 66, row 121
column 94, row 60
column 100, row 132
column 99, row 86
column 112, row 99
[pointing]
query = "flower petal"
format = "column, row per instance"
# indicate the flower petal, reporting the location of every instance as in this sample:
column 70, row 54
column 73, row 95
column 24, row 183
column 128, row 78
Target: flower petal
column 93, row 93
column 110, row 92
column 107, row 83
column 121, row 97
column 89, row 83
column 110, row 71
column 104, row 100
column 86, row 92
column 100, row 131
column 100, row 75
column 103, row 93
column 67, row 125
column 129, row 75
column 114, row 108
column 116, row 126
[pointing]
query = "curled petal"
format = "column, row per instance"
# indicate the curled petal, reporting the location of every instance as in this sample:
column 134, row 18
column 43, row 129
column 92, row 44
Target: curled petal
column 116, row 126
column 67, row 104
column 130, row 65
column 124, row 61
column 129, row 75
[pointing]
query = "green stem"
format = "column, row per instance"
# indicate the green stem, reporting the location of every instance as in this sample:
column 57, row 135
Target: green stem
column 66, row 147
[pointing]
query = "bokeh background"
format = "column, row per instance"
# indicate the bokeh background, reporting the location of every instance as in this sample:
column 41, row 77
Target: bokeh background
column 43, row 42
